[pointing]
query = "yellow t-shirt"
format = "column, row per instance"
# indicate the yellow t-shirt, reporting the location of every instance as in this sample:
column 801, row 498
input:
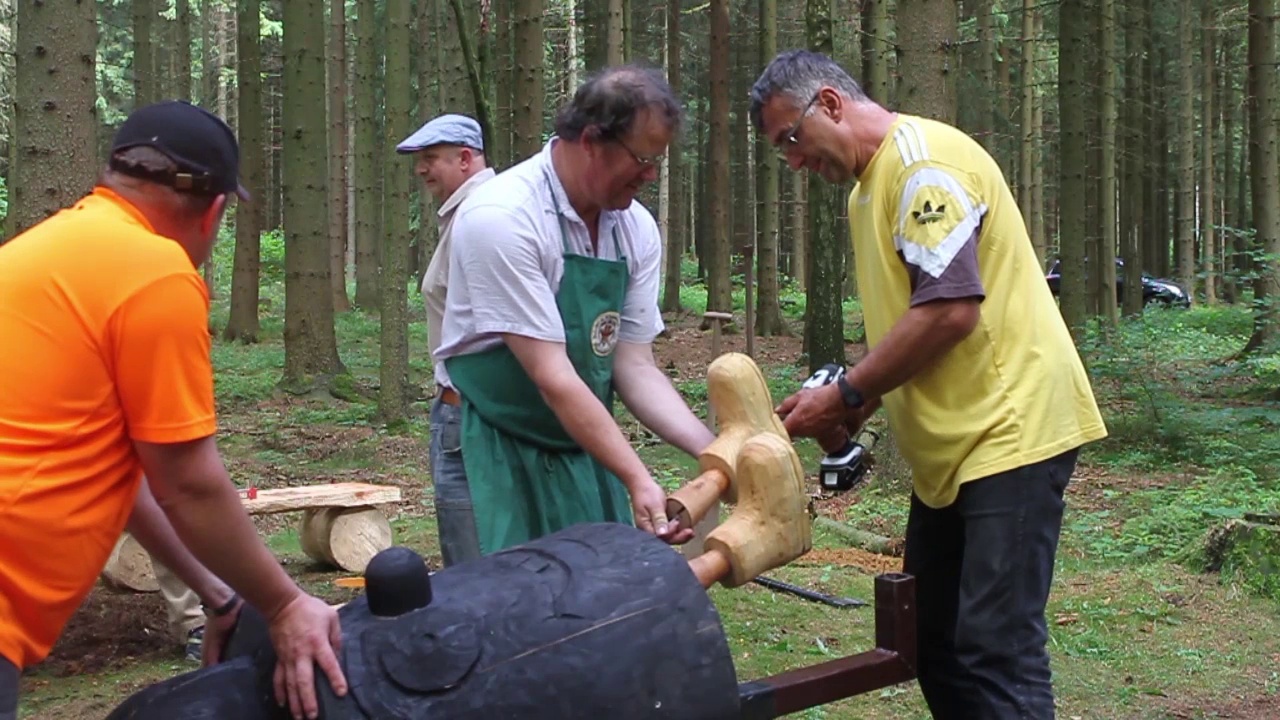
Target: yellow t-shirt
column 1012, row 393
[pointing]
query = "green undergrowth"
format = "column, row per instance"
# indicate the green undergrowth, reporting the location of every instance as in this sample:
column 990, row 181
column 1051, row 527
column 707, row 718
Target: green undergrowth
column 1137, row 629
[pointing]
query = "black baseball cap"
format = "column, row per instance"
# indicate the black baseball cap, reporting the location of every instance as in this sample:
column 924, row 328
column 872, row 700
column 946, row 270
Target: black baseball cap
column 199, row 142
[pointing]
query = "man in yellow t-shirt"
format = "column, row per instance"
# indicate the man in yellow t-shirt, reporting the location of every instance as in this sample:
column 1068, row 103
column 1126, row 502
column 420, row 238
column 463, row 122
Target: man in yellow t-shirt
column 985, row 392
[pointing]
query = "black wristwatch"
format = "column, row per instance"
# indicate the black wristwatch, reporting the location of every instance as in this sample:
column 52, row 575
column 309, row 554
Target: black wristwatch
column 224, row 609
column 852, row 398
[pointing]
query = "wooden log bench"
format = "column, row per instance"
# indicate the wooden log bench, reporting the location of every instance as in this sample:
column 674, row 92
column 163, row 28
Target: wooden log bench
column 342, row 526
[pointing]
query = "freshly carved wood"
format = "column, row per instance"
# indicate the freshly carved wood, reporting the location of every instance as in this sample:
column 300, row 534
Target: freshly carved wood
column 753, row 464
column 737, row 391
column 770, row 526
column 289, row 499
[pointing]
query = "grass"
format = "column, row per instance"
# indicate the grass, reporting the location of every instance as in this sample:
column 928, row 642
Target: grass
column 1136, row 631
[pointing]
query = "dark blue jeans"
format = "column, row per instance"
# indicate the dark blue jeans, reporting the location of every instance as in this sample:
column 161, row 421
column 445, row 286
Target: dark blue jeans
column 9, row 675
column 455, row 515
column 983, row 567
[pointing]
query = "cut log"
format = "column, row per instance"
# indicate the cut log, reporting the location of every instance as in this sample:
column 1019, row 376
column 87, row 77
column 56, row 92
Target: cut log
column 129, row 567
column 346, row 538
column 336, row 495
column 871, row 542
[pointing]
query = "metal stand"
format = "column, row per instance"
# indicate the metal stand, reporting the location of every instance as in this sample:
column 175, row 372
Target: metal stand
column 892, row 661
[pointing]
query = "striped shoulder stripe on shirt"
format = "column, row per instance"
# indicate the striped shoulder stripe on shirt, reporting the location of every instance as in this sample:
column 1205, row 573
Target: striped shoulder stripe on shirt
column 910, row 142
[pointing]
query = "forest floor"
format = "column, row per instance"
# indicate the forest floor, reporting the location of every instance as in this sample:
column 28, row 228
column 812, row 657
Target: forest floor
column 1135, row 633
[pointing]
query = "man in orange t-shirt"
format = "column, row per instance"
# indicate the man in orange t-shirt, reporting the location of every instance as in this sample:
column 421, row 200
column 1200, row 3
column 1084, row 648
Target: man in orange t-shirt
column 106, row 374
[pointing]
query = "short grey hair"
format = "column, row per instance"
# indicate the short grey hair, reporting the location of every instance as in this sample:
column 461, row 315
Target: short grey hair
column 607, row 104
column 798, row 75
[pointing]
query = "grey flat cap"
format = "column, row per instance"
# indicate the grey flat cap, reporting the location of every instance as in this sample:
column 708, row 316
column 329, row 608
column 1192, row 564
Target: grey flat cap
column 445, row 130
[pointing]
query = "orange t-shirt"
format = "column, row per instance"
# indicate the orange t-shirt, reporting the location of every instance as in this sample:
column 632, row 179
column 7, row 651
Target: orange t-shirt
column 104, row 340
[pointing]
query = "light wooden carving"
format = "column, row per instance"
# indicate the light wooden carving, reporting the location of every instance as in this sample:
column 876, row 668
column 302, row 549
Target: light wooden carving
column 751, row 464
column 737, row 391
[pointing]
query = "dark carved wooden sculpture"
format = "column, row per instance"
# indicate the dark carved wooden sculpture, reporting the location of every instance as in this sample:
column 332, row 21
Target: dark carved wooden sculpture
column 595, row 621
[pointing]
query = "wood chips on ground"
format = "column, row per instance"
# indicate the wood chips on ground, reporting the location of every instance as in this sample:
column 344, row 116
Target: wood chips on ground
column 852, row 557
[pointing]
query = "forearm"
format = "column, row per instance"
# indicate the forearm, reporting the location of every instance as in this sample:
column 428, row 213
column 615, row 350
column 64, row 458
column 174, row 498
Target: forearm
column 153, row 530
column 654, row 401
column 921, row 336
column 193, row 488
column 590, row 424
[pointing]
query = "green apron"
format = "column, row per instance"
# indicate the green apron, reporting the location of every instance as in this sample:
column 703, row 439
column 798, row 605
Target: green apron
column 528, row 477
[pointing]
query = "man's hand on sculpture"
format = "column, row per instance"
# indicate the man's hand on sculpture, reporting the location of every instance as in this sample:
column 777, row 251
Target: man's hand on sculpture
column 306, row 631
column 217, row 631
column 813, row 412
column 649, row 503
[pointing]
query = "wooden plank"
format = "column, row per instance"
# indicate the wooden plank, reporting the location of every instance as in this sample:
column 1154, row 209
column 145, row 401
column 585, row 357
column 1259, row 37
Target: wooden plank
column 279, row 500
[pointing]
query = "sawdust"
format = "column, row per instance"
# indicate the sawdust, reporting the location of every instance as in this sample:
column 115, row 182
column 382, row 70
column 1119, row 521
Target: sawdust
column 852, row 557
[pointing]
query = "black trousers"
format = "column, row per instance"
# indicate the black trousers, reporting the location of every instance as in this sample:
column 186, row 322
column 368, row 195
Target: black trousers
column 9, row 675
column 983, row 567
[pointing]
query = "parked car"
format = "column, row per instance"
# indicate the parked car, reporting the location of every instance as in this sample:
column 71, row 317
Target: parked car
column 1154, row 290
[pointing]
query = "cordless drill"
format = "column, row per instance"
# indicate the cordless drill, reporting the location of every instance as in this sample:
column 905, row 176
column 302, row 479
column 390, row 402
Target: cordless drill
column 845, row 464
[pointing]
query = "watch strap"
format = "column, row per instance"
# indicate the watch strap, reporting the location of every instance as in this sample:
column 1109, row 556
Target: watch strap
column 224, row 609
column 852, row 398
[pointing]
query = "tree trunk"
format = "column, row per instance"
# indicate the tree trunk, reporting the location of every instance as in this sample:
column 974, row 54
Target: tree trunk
column 675, row 227
column 507, row 75
column 242, row 324
column 768, row 309
column 1106, row 259
column 1073, row 62
column 528, row 96
column 182, row 14
column 615, row 40
column 310, row 345
column 393, row 391
column 824, row 314
column 986, row 127
column 367, row 149
column 55, row 117
column 1187, row 149
column 1208, row 208
column 1131, row 233
column 337, row 99
column 719, row 289
column 878, row 51
column 1264, row 167
column 144, row 69
column 927, row 64
column 1039, row 211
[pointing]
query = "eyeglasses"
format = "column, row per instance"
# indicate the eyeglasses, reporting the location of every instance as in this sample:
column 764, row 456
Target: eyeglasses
column 641, row 161
column 791, row 139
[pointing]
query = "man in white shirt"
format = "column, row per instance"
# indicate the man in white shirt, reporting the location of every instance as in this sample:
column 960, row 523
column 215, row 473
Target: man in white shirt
column 451, row 163
column 553, row 309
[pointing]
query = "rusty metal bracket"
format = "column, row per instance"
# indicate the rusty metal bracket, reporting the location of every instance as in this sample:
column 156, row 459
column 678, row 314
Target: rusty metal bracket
column 892, row 661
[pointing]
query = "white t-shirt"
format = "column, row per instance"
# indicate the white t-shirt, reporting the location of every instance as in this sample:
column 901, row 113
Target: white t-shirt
column 508, row 257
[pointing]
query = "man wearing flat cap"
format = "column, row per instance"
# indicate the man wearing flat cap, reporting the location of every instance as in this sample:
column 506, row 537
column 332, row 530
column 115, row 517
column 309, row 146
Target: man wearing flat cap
column 451, row 164
column 107, row 417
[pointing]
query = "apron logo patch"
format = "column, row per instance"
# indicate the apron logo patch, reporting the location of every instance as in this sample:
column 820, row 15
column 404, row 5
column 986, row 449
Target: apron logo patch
column 604, row 333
